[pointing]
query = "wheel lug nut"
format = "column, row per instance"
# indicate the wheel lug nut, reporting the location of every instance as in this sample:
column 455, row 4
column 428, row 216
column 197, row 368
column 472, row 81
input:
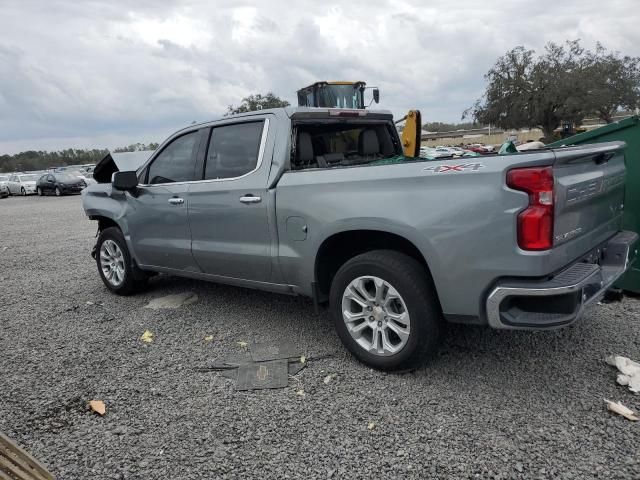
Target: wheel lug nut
column 371, row 318
column 369, row 308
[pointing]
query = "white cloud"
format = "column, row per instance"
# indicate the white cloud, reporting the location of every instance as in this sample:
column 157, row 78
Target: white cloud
column 106, row 71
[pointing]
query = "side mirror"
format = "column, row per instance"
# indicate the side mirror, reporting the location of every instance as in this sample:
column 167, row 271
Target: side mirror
column 376, row 95
column 124, row 180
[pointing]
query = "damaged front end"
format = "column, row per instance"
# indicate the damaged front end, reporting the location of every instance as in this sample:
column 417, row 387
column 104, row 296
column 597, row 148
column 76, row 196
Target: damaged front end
column 118, row 162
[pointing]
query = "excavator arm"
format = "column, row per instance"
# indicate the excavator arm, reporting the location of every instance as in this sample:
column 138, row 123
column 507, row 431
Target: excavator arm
column 412, row 133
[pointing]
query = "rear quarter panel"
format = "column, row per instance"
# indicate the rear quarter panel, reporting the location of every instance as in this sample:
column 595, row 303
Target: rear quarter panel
column 461, row 219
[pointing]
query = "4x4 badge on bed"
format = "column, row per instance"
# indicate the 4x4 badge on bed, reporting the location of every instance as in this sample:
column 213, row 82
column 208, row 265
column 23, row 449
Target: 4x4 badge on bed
column 454, row 168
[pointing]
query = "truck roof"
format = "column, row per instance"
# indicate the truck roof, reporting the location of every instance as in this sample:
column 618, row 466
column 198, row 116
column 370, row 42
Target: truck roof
column 291, row 111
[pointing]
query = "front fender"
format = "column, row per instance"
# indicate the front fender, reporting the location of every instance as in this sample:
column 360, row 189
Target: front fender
column 100, row 201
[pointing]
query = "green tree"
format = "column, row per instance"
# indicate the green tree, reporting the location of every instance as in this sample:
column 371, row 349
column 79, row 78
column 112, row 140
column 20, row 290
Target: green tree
column 257, row 102
column 612, row 83
column 566, row 83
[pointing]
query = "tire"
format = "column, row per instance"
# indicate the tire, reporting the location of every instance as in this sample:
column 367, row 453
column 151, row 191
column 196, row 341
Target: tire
column 58, row 192
column 417, row 298
column 39, row 191
column 132, row 278
column 23, row 192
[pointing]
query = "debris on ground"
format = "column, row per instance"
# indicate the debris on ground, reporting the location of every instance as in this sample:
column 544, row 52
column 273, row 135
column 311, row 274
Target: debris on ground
column 329, row 377
column 147, row 336
column 263, row 375
column 18, row 463
column 620, row 409
column 173, row 301
column 262, row 366
column 371, row 425
column 208, row 338
column 98, row 406
column 629, row 375
column 262, row 352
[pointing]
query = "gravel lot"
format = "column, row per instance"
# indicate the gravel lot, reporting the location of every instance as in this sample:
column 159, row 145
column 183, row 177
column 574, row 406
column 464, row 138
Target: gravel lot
column 491, row 405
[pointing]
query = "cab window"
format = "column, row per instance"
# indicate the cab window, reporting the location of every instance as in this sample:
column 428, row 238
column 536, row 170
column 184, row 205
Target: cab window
column 176, row 162
column 233, row 150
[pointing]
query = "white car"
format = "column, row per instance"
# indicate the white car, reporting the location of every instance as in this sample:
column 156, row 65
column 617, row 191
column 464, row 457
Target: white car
column 22, row 183
column 87, row 177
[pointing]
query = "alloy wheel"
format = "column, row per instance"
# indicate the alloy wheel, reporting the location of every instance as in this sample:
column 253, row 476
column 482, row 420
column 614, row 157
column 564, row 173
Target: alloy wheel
column 376, row 315
column 112, row 263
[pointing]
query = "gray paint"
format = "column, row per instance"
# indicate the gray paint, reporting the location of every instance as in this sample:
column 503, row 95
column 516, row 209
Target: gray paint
column 463, row 222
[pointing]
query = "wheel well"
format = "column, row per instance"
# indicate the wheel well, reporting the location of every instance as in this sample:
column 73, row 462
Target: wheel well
column 339, row 248
column 104, row 223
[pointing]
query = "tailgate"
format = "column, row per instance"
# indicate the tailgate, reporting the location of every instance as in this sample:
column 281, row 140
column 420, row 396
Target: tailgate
column 589, row 198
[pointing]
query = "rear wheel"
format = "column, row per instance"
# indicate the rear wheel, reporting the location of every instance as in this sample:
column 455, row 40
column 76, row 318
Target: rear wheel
column 385, row 310
column 39, row 191
column 23, row 192
column 58, row 192
column 115, row 266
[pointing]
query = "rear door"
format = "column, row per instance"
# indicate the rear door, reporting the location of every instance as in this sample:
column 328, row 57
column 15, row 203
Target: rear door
column 589, row 187
column 228, row 209
column 157, row 215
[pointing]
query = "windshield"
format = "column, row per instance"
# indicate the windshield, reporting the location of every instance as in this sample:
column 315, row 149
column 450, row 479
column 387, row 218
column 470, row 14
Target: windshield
column 340, row 96
column 28, row 178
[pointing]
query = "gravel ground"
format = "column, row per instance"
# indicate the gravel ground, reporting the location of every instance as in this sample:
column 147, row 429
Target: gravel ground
column 491, row 405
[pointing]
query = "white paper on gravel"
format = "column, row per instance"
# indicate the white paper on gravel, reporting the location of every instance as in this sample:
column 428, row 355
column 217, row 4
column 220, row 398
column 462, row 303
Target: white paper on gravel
column 629, row 372
column 173, row 301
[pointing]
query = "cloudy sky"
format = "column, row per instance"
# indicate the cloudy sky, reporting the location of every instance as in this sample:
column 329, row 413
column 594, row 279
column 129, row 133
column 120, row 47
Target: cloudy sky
column 104, row 73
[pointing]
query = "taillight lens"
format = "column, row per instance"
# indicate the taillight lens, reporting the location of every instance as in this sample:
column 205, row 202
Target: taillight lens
column 535, row 223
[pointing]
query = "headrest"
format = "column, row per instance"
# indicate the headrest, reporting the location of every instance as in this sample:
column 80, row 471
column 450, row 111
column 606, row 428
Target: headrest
column 368, row 143
column 304, row 149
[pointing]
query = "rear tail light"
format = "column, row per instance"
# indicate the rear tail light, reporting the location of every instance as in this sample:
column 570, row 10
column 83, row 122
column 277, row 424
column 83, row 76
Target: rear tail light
column 535, row 223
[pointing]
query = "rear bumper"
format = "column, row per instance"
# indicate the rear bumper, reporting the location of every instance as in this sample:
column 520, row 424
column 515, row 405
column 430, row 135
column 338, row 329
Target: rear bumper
column 554, row 302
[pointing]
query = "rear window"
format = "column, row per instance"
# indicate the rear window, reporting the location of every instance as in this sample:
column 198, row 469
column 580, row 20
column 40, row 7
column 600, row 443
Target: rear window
column 339, row 144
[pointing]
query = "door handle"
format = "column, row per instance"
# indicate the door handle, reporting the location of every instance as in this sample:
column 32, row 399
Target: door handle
column 250, row 199
column 176, row 201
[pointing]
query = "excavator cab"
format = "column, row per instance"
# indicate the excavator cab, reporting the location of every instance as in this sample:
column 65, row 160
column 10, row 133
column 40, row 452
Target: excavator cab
column 335, row 95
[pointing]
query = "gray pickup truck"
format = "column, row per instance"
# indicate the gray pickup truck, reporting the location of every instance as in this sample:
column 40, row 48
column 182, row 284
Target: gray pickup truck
column 322, row 203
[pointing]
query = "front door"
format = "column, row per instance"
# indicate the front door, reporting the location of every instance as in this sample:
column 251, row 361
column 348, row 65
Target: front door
column 157, row 213
column 48, row 185
column 228, row 209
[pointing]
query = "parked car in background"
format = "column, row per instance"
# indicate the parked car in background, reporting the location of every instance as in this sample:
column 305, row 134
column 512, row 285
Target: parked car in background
column 59, row 184
column 86, row 177
column 4, row 190
column 22, row 184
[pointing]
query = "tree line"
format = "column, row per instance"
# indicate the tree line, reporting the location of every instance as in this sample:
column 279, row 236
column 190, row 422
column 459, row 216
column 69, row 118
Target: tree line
column 41, row 160
column 566, row 83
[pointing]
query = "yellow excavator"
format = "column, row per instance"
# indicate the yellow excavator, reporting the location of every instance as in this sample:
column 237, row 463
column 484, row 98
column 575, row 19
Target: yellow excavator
column 339, row 94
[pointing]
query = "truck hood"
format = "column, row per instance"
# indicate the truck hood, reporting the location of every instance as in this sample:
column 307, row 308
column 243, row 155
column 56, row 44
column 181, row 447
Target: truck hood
column 118, row 162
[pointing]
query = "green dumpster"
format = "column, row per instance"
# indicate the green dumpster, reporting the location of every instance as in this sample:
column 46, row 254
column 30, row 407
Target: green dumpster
column 627, row 130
